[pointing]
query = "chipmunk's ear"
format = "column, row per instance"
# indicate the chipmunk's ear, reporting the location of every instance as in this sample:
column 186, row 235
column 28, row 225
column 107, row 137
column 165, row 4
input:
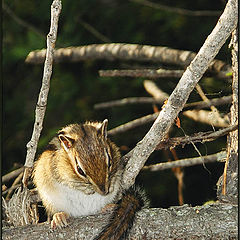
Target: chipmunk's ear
column 66, row 142
column 103, row 128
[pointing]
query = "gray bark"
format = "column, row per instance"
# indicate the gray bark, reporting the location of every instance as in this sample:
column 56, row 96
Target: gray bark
column 215, row 221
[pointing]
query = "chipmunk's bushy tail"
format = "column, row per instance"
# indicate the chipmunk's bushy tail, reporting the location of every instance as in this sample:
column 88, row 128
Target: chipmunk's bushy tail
column 123, row 216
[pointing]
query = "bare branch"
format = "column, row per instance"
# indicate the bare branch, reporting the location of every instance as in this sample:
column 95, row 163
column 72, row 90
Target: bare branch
column 42, row 99
column 155, row 91
column 124, row 51
column 180, row 11
column 207, row 117
column 133, row 124
column 12, row 174
column 94, row 31
column 148, row 100
column 198, row 137
column 15, row 183
column 125, row 101
column 137, row 157
column 214, row 102
column 146, row 73
column 219, row 157
column 197, row 115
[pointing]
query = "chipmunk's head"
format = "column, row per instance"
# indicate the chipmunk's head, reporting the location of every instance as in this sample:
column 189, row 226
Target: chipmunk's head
column 93, row 157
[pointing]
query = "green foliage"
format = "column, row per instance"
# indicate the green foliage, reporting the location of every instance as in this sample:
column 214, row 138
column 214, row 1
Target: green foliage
column 76, row 87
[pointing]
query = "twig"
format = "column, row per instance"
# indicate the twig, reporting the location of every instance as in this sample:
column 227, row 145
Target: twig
column 155, row 91
column 20, row 21
column 204, row 97
column 207, row 117
column 148, row 100
column 136, row 158
column 199, row 137
column 133, row 124
column 215, row 112
column 12, row 174
column 152, row 117
column 178, row 173
column 217, row 157
column 11, row 188
column 42, row 99
column 15, row 183
column 145, row 73
column 126, row 101
column 180, row 11
column 94, row 31
column 214, row 102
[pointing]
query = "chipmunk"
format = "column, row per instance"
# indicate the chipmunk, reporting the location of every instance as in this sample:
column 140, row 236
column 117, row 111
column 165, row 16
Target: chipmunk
column 80, row 173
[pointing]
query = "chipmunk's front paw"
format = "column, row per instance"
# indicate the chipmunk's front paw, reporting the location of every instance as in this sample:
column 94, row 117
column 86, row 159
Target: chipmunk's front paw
column 59, row 220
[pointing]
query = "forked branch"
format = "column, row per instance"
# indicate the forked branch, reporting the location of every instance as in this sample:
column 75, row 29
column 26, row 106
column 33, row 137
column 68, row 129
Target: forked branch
column 136, row 158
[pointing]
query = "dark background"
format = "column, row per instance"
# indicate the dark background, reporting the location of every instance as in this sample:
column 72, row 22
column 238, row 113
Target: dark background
column 76, row 87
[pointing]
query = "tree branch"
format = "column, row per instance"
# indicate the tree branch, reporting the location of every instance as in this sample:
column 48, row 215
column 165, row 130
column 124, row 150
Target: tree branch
column 136, row 158
column 215, row 221
column 133, row 124
column 149, row 100
column 42, row 99
column 228, row 183
column 146, row 73
column 11, row 175
column 124, row 51
column 198, row 137
column 94, row 31
column 220, row 157
column 207, row 117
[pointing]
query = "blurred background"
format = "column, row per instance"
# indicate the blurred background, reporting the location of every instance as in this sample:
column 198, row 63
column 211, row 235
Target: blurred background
column 76, row 87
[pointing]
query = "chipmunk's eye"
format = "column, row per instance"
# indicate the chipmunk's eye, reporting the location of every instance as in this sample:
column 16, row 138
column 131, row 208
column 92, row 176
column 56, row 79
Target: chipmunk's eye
column 109, row 159
column 80, row 171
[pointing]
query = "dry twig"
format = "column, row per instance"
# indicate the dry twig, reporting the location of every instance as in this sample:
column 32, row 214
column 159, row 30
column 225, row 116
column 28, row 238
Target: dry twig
column 217, row 157
column 148, row 100
column 94, row 31
column 42, row 99
column 214, row 102
column 155, row 91
column 198, row 137
column 146, row 73
column 207, row 117
column 12, row 175
column 133, row 124
column 15, row 183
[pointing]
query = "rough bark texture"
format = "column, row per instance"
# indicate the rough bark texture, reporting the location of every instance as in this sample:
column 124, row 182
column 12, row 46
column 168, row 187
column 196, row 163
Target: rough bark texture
column 215, row 221
column 231, row 167
column 124, row 51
